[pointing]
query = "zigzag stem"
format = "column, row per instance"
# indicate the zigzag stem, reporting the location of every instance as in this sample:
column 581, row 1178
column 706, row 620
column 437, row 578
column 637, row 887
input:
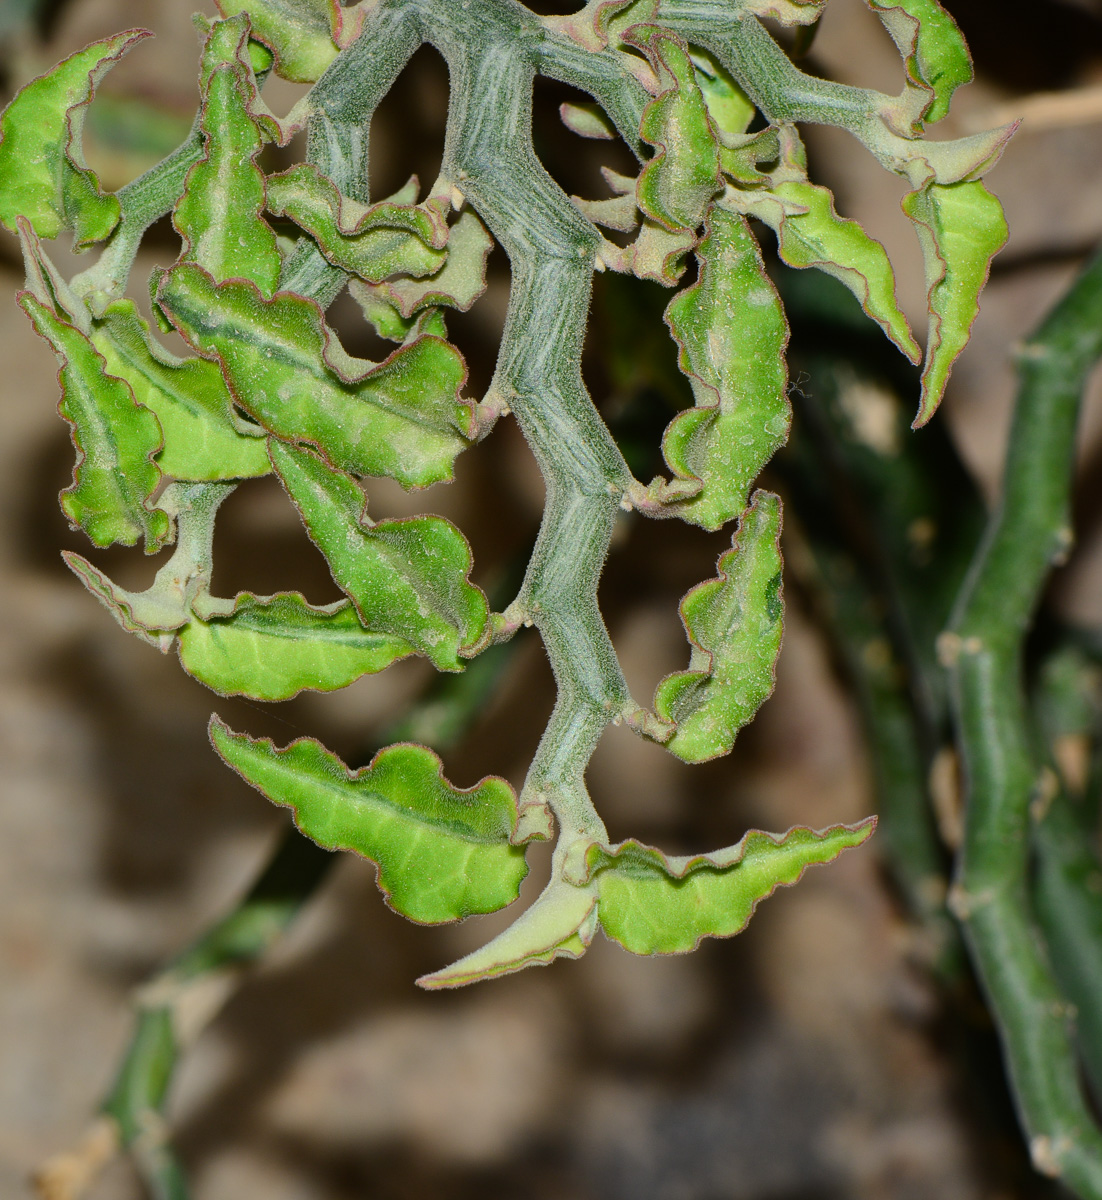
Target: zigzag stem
column 1026, row 536
column 551, row 247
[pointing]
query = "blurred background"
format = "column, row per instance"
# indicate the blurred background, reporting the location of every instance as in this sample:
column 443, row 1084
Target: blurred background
column 814, row 1057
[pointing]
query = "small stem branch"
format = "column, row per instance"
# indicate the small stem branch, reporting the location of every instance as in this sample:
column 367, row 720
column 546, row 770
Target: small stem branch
column 1027, row 534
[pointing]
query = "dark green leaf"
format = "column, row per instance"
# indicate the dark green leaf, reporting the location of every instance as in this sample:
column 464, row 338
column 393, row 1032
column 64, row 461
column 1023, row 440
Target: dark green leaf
column 403, row 418
column 407, row 578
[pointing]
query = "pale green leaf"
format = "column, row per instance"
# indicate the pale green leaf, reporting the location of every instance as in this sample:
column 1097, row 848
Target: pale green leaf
column 189, row 397
column 811, row 234
column 407, row 578
column 734, row 624
column 730, row 109
column 731, row 332
column 652, row 903
column 560, row 924
column 42, row 172
column 115, row 439
column 403, row 418
column 587, row 120
column 659, row 254
column 961, row 228
column 301, row 33
column 442, row 853
column 458, row 283
column 273, row 647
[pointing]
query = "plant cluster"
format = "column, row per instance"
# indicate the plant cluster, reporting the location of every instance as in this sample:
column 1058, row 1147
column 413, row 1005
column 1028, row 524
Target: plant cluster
column 710, row 104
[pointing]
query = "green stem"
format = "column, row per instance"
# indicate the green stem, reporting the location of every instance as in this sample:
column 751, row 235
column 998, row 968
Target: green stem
column 551, row 250
column 1026, row 536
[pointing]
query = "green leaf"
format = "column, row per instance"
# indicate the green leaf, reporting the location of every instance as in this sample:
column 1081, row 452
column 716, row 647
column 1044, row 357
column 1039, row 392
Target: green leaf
column 218, row 215
column 676, row 185
column 811, row 234
column 273, row 647
column 457, row 284
column 587, row 120
column 652, row 903
column 115, row 438
column 406, row 577
column 42, row 172
column 931, row 44
column 729, row 107
column 961, row 228
column 301, row 33
column 734, row 624
column 403, row 418
column 737, row 372
column 188, row 396
column 371, row 242
column 659, row 255
column 442, row 853
column 560, row 924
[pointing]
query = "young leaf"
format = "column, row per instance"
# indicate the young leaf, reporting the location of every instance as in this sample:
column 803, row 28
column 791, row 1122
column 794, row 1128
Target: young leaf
column 587, row 120
column 402, row 418
column 457, row 284
column 560, row 924
column 734, row 624
column 182, row 584
column 218, row 215
column 273, row 647
column 188, row 396
column 961, row 228
column 42, row 173
column 737, row 371
column 115, row 439
column 369, row 242
column 300, row 33
column 658, row 254
column 442, row 853
column 811, row 234
column 930, row 41
column 730, row 109
column 676, row 184
column 407, row 578
column 652, row 903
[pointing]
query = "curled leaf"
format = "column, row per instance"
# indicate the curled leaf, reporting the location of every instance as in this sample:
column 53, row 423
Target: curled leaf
column 676, row 184
column 560, row 924
column 273, row 647
column 652, row 903
column 403, row 418
column 930, row 41
column 737, row 372
column 407, row 578
column 371, row 242
column 961, row 228
column 443, row 853
column 457, row 284
column 43, row 177
column 302, row 34
column 734, row 624
column 811, row 234
column 115, row 438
